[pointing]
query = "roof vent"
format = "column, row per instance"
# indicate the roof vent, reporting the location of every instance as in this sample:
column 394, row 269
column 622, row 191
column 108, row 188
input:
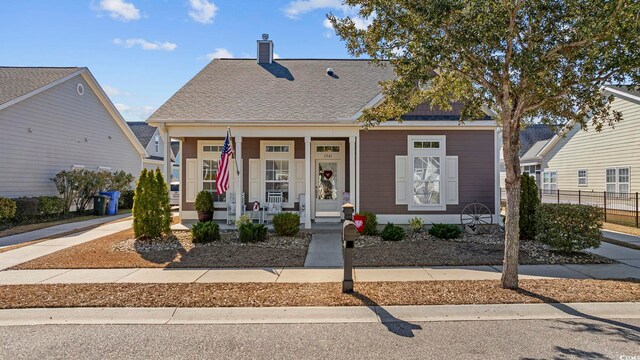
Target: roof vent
column 330, row 72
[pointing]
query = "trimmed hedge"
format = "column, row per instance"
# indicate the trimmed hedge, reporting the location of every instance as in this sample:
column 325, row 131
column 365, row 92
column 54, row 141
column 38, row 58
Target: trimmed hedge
column 26, row 207
column 50, row 205
column 569, row 227
column 286, row 224
column 392, row 232
column 250, row 232
column 529, row 203
column 370, row 223
column 445, row 231
column 7, row 208
column 204, row 232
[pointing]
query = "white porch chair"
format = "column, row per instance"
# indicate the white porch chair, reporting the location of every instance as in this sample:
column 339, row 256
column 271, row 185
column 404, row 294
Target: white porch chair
column 274, row 204
column 231, row 207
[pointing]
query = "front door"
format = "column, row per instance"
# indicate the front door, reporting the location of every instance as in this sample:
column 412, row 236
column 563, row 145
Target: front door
column 328, row 187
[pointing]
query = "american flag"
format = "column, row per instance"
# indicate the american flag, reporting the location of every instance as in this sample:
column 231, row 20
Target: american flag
column 222, row 177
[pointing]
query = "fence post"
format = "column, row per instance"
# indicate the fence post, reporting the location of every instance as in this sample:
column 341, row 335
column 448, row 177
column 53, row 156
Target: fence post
column 558, row 196
column 636, row 209
column 579, row 197
column 605, row 206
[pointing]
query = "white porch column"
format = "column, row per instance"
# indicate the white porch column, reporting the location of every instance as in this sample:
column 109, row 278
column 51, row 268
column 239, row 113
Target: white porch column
column 352, row 169
column 239, row 178
column 307, row 184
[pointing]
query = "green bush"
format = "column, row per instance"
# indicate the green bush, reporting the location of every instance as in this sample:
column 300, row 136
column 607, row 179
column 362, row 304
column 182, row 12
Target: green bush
column 204, row 232
column 569, row 227
column 529, row 203
column 445, row 231
column 392, row 232
column 26, row 207
column 416, row 224
column 250, row 232
column 7, row 208
column 77, row 187
column 370, row 223
column 244, row 219
column 204, row 201
column 286, row 224
column 151, row 209
column 50, row 205
column 126, row 199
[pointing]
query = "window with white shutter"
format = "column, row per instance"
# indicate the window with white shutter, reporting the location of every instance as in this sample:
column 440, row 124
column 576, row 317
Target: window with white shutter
column 401, row 180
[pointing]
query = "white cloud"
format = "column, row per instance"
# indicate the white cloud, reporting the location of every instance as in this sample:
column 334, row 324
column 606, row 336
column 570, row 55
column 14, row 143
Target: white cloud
column 220, row 53
column 113, row 91
column 299, row 7
column 146, row 45
column 202, row 11
column 118, row 9
column 135, row 113
column 276, row 56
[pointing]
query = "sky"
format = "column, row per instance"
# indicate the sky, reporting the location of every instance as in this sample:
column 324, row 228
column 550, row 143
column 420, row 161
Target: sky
column 142, row 51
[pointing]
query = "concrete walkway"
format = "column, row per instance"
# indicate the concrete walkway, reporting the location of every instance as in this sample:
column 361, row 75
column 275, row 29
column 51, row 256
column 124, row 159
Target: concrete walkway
column 30, row 252
column 325, row 250
column 310, row 275
column 622, row 254
column 623, row 237
column 56, row 230
column 318, row 315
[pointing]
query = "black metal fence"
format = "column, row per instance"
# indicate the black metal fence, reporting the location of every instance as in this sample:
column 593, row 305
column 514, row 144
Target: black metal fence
column 619, row 208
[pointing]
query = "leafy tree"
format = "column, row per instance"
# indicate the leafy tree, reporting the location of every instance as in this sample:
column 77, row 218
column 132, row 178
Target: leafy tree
column 524, row 60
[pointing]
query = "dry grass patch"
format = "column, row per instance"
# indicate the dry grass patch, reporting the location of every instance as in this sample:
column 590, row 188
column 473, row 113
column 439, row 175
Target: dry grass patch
column 313, row 294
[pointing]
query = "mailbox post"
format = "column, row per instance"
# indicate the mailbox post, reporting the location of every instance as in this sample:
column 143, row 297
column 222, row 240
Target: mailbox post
column 349, row 234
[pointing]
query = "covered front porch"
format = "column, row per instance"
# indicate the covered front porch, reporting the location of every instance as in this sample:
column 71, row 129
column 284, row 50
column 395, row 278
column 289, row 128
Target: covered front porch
column 310, row 170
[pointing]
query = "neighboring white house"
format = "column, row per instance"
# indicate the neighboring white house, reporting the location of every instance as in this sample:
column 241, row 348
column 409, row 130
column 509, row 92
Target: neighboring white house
column 533, row 138
column 54, row 119
column 598, row 161
column 152, row 140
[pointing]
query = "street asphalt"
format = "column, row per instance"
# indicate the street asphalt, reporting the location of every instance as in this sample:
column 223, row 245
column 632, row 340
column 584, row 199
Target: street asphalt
column 514, row 339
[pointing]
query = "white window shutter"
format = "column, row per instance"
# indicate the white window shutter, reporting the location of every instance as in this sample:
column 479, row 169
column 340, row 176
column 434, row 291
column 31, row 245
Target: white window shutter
column 452, row 180
column 299, row 178
column 191, row 181
column 254, row 180
column 401, row 180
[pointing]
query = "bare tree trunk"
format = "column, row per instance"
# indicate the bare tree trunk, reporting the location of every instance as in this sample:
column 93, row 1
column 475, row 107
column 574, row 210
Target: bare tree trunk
column 510, row 149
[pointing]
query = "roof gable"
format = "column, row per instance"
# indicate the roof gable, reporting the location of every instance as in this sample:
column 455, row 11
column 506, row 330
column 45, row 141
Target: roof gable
column 533, row 134
column 143, row 131
column 19, row 81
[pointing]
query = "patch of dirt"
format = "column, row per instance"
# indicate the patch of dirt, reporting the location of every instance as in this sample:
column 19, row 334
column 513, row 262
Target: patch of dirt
column 310, row 294
column 121, row 250
column 422, row 249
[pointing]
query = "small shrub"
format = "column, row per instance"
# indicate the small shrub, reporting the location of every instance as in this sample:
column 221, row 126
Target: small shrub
column 7, row 208
column 250, row 232
column 286, row 224
column 569, row 227
column 126, row 199
column 50, row 205
column 204, row 201
column 370, row 223
column 529, row 203
column 392, row 232
column 445, row 231
column 244, row 219
column 416, row 224
column 26, row 207
column 151, row 209
column 204, row 232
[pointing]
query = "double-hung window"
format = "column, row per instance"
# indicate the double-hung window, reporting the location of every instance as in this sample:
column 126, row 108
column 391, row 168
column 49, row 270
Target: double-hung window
column 617, row 180
column 209, row 154
column 426, row 172
column 278, row 168
column 582, row 177
column 549, row 182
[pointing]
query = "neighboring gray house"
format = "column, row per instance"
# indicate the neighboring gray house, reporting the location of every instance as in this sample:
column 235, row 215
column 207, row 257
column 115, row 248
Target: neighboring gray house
column 175, row 166
column 533, row 139
column 54, row 119
column 150, row 138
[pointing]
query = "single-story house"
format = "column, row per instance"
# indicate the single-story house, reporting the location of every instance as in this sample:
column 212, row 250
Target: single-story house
column 149, row 137
column 295, row 132
column 54, row 119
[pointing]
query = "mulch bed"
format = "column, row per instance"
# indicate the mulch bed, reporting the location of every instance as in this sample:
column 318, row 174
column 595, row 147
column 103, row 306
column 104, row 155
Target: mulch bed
column 121, row 251
column 422, row 249
column 323, row 294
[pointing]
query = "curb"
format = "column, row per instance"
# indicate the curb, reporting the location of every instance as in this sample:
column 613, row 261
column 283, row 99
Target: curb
column 317, row 315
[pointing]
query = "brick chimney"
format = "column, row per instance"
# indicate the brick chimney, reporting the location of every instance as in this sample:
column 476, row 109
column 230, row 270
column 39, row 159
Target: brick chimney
column 265, row 50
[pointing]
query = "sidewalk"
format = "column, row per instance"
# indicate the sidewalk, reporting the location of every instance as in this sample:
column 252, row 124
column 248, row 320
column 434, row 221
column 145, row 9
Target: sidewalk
column 310, row 275
column 318, row 315
column 56, row 230
column 625, row 239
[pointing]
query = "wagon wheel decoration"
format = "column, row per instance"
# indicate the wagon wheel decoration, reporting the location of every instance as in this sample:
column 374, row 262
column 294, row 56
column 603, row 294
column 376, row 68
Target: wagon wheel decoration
column 476, row 216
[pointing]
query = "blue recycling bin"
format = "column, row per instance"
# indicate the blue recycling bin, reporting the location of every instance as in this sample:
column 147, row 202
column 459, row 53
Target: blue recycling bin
column 112, row 208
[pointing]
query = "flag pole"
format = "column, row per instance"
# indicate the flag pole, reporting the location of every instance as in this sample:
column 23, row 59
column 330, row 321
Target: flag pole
column 234, row 152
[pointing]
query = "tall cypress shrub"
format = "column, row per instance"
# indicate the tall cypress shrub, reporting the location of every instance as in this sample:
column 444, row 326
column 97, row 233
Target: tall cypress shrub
column 164, row 205
column 140, row 207
column 529, row 204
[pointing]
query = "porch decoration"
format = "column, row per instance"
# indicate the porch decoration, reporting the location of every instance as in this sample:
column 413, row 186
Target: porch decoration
column 476, row 218
column 204, row 206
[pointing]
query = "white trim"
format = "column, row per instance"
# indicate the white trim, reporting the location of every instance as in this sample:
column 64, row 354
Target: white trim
column 290, row 156
column 435, row 152
column 265, row 130
column 549, row 171
column 352, row 169
column 337, row 157
column 428, row 219
column 188, row 214
column 180, row 176
column 80, row 89
column 357, row 166
column 239, row 177
column 621, row 93
column 307, row 176
column 375, row 101
column 497, row 145
column 200, row 166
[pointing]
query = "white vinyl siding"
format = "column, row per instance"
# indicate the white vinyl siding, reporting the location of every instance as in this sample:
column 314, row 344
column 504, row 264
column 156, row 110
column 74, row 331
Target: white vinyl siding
column 66, row 129
column 596, row 151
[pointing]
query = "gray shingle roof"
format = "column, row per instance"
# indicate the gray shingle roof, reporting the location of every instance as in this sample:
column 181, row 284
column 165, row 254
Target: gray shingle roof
column 296, row 90
column 627, row 89
column 18, row 81
column 143, row 131
column 533, row 134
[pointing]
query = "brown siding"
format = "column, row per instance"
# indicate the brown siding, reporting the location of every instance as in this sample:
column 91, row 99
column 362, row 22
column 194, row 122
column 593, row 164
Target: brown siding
column 476, row 173
column 189, row 151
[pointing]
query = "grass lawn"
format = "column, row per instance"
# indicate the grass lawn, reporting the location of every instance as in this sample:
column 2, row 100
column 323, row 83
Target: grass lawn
column 315, row 294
